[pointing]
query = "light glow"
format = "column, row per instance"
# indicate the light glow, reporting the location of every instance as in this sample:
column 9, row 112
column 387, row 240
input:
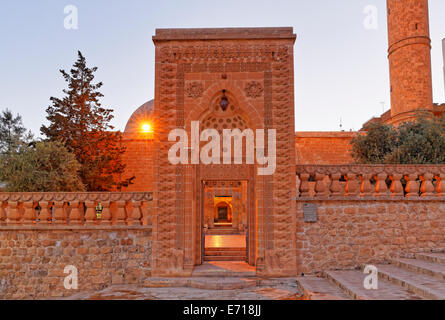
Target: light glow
column 146, row 127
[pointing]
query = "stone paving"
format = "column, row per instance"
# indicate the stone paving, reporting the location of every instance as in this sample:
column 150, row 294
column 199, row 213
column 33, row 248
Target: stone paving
column 216, row 280
column 402, row 279
column 279, row 289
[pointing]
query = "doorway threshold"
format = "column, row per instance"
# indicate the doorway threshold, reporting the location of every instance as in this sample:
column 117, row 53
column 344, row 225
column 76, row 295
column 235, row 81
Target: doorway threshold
column 224, row 269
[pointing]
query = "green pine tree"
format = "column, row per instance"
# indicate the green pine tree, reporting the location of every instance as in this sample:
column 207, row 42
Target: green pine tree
column 13, row 134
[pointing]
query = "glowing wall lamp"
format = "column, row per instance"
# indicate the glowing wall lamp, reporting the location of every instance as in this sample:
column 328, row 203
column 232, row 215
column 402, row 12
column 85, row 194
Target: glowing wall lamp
column 147, row 130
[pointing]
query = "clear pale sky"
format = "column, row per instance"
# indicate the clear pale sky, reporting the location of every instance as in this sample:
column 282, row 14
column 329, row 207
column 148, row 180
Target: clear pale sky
column 341, row 68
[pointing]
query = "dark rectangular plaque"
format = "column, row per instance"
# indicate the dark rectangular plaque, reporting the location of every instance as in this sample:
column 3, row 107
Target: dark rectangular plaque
column 310, row 212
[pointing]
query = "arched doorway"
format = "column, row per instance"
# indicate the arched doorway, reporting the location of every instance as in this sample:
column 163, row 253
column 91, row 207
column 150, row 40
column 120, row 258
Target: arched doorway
column 225, row 221
column 223, row 210
column 225, row 224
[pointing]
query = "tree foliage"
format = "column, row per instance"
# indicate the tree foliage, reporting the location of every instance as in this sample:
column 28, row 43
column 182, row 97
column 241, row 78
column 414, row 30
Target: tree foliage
column 80, row 122
column 41, row 167
column 13, row 134
column 416, row 142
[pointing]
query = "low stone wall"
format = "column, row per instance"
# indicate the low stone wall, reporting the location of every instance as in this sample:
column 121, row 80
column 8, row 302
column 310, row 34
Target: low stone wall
column 32, row 262
column 41, row 234
column 351, row 233
column 365, row 214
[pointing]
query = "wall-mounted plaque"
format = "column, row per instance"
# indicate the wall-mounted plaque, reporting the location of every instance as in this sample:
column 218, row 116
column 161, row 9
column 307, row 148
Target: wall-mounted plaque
column 310, row 212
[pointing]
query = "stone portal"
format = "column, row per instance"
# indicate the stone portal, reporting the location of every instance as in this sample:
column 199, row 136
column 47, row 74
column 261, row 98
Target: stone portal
column 225, row 79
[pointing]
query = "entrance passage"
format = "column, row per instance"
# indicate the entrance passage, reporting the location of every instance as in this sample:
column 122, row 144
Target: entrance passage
column 225, row 221
column 225, row 248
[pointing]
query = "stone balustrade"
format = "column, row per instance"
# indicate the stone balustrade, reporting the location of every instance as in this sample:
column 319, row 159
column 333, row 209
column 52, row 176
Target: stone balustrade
column 370, row 182
column 50, row 209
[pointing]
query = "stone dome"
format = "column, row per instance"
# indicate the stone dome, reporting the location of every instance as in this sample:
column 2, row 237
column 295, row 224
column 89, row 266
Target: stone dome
column 141, row 115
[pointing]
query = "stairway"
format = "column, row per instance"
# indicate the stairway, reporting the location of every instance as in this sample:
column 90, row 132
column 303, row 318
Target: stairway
column 420, row 277
column 224, row 231
column 225, row 254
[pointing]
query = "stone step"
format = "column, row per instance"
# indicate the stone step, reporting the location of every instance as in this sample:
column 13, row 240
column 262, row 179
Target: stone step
column 223, row 225
column 220, row 274
column 351, row 282
column 433, row 269
column 231, row 269
column 421, row 284
column 224, row 258
column 215, row 249
column 316, row 288
column 226, row 227
column 224, row 283
column 202, row 283
column 221, row 231
column 225, row 253
column 432, row 257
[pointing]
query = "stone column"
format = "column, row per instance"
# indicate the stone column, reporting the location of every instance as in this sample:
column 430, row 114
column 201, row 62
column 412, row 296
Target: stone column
column 208, row 209
column 236, row 210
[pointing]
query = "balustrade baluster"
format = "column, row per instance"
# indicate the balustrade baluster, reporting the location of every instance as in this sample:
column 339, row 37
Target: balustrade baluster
column 134, row 218
column 366, row 189
column 45, row 215
column 304, row 185
column 337, row 189
column 3, row 205
column 412, row 185
column 396, row 187
column 90, row 213
column 297, row 184
column 29, row 213
column 352, row 185
column 12, row 213
column 381, row 189
column 60, row 216
column 76, row 214
column 439, row 185
column 427, row 187
column 106, row 214
column 321, row 188
column 120, row 213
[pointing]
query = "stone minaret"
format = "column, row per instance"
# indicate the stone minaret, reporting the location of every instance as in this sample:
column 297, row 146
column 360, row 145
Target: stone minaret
column 409, row 55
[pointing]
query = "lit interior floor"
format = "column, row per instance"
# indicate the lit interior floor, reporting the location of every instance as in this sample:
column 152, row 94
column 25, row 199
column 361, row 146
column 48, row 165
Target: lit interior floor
column 225, row 241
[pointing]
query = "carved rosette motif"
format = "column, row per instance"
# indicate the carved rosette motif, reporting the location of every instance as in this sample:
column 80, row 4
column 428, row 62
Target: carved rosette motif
column 254, row 89
column 194, row 90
